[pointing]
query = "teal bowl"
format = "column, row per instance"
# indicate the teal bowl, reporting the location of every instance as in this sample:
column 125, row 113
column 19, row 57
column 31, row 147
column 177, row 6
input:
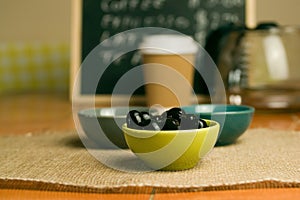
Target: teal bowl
column 234, row 120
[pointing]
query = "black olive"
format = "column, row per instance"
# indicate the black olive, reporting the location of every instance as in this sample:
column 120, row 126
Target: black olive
column 202, row 123
column 159, row 119
column 145, row 118
column 133, row 119
column 175, row 113
column 171, row 124
column 173, row 119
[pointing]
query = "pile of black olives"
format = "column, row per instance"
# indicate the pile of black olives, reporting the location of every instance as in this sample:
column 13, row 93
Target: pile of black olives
column 172, row 119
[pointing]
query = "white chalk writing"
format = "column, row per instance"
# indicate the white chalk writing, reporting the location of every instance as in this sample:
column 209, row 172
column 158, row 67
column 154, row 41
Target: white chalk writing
column 121, row 15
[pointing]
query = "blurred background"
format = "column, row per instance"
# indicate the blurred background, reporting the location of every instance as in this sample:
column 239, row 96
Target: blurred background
column 34, row 45
column 35, row 41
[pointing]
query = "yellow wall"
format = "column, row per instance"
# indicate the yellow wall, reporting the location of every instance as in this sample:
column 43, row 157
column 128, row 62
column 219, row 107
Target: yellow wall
column 34, row 45
column 35, row 20
column 285, row 12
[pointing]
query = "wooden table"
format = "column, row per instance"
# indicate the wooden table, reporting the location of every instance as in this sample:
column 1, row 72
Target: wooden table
column 37, row 112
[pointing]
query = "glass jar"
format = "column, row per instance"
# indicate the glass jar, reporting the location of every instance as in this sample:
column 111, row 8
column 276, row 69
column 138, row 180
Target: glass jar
column 261, row 68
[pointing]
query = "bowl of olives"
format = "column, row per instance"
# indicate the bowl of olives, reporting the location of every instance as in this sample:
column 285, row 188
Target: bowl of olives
column 172, row 140
column 234, row 120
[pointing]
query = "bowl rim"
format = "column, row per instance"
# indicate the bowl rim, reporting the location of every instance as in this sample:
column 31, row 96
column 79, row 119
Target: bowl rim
column 246, row 109
column 214, row 123
column 95, row 112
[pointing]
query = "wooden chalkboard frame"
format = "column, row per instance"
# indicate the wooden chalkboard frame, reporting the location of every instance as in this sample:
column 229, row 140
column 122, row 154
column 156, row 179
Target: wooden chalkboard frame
column 75, row 57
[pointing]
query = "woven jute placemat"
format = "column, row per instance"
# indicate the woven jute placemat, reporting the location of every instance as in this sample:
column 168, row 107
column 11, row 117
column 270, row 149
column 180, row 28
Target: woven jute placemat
column 58, row 161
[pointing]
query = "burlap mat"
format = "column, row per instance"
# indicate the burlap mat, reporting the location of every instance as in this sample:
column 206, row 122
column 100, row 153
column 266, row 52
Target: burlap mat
column 58, row 161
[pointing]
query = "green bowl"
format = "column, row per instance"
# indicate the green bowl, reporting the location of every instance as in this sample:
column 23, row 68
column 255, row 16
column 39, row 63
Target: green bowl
column 103, row 126
column 172, row 150
column 234, row 120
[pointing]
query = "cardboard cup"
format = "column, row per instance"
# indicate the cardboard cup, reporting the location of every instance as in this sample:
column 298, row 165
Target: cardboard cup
column 168, row 69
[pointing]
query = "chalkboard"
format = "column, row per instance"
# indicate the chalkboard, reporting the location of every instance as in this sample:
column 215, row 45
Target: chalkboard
column 98, row 20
